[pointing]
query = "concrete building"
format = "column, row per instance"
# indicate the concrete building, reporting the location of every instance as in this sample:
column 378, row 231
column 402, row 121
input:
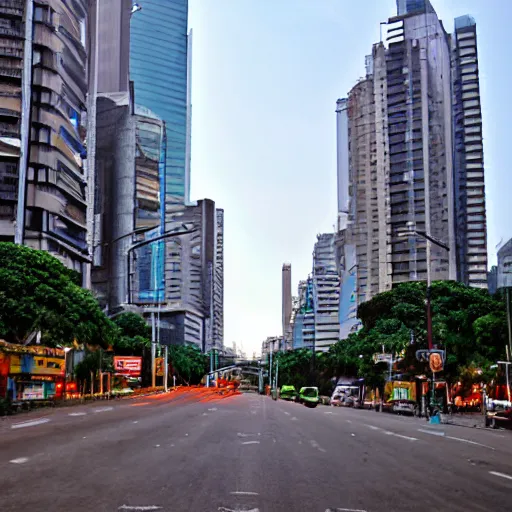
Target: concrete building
column 325, row 292
column 218, row 282
column 160, row 67
column 286, row 298
column 410, row 157
column 43, row 91
column 192, row 309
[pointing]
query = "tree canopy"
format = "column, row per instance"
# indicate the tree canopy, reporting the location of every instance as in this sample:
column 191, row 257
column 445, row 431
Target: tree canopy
column 134, row 334
column 38, row 293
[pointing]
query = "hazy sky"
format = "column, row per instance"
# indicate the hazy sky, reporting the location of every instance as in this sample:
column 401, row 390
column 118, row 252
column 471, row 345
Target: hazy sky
column 266, row 76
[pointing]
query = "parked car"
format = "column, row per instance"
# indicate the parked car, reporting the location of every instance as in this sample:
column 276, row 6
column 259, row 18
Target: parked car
column 309, row 396
column 288, row 393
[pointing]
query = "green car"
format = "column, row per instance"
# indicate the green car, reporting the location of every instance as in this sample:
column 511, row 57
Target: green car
column 309, row 396
column 288, row 393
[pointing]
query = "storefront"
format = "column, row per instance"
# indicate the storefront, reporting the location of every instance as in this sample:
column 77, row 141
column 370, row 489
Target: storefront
column 31, row 373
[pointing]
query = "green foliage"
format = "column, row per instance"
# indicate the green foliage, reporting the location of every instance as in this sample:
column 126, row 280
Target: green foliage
column 188, row 363
column 134, row 334
column 467, row 322
column 38, row 293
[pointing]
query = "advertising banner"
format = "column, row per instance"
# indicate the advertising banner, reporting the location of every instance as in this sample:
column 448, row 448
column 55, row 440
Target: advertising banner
column 159, row 361
column 128, row 365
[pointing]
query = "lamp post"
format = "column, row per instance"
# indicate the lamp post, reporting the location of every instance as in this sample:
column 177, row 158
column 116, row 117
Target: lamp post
column 66, row 350
column 430, row 239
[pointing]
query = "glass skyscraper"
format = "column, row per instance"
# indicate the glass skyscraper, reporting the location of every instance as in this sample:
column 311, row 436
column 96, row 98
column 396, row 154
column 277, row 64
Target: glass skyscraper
column 158, row 68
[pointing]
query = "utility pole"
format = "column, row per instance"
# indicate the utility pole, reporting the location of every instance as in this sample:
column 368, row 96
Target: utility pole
column 270, row 372
column 166, row 368
column 153, row 350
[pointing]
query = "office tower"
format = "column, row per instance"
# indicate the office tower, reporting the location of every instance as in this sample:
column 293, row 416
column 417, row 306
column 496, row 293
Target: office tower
column 415, row 158
column 192, row 312
column 325, row 292
column 299, row 312
column 470, row 221
column 286, row 297
column 43, row 90
column 218, row 283
column 160, row 69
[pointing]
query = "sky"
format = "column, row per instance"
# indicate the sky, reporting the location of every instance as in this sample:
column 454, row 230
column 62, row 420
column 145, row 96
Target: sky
column 266, row 75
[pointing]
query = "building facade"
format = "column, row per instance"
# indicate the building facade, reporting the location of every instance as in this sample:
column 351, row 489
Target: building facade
column 160, row 70
column 286, row 298
column 43, row 92
column 326, row 291
column 218, row 282
column 410, row 157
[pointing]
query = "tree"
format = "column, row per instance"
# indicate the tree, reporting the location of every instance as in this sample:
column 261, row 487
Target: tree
column 38, row 293
column 189, row 364
column 134, row 334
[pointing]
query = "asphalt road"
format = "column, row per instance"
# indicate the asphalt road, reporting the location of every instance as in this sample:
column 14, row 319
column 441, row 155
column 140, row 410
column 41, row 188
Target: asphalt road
column 200, row 453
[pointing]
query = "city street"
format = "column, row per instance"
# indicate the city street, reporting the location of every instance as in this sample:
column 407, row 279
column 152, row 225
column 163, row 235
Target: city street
column 203, row 453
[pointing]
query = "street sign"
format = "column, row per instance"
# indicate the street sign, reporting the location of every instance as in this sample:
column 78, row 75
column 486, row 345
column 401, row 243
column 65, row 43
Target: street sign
column 382, row 358
column 434, row 357
column 128, row 365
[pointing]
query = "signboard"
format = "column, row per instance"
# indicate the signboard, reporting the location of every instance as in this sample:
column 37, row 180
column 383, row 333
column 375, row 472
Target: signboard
column 128, row 365
column 436, row 361
column 382, row 358
column 505, row 266
column 159, row 361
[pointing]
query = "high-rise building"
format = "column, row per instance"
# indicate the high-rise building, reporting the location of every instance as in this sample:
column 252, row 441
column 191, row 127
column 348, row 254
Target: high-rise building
column 326, row 289
column 286, row 297
column 218, row 282
column 160, row 69
column 410, row 156
column 43, row 91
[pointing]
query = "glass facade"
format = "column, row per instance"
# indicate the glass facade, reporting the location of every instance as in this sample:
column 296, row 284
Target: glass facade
column 158, row 67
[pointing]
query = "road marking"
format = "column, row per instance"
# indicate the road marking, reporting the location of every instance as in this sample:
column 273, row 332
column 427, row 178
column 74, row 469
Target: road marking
column 328, row 412
column 147, row 507
column 135, row 422
column 251, row 442
column 314, row 444
column 77, row 414
column 20, row 460
column 502, row 475
column 239, row 434
column 389, row 433
column 103, row 409
column 373, row 427
column 431, row 432
column 213, row 409
column 30, row 423
column 205, row 414
column 469, row 442
column 287, row 413
column 294, row 419
column 245, row 493
column 224, row 509
column 348, row 421
column 157, row 446
column 344, row 510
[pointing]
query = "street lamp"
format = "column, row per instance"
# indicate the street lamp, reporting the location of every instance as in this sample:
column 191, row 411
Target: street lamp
column 430, row 239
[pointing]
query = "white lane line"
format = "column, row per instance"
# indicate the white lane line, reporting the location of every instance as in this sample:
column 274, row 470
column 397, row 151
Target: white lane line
column 294, row 419
column 373, row 427
column 103, row 409
column 147, row 507
column 240, row 434
column 287, row 413
column 348, row 421
column 389, row 433
column 344, row 510
column 30, row 423
column 224, row 509
column 213, row 409
column 20, row 460
column 431, row 432
column 469, row 442
column 251, row 442
column 244, row 493
column 314, row 444
column 328, row 412
column 77, row 414
column 502, row 475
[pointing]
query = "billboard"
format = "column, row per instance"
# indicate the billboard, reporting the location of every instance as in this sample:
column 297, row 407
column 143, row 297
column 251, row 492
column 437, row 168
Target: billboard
column 348, row 293
column 505, row 266
column 128, row 365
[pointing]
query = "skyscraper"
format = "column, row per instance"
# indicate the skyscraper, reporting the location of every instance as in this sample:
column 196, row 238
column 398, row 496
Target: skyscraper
column 160, row 70
column 43, row 90
column 410, row 156
column 286, row 297
column 218, row 282
column 325, row 292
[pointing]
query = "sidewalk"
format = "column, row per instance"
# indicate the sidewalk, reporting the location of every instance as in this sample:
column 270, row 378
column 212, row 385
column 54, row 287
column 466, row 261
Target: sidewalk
column 473, row 420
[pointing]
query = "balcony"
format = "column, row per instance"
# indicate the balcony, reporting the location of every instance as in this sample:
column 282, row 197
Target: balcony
column 12, row 8
column 10, row 72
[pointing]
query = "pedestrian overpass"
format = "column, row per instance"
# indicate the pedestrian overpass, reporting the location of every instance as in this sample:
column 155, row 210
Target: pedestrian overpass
column 237, row 369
